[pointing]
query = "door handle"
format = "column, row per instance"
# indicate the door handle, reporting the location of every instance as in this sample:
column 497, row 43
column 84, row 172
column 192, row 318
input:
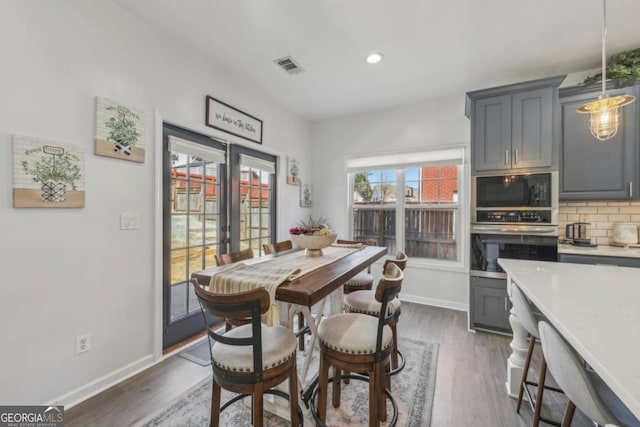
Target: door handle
column 516, row 156
column 630, row 188
column 506, row 304
column 506, row 157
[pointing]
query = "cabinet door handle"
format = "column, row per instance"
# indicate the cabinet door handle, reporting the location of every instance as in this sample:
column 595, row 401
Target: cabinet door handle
column 630, row 188
column 505, row 304
column 516, row 156
column 506, row 157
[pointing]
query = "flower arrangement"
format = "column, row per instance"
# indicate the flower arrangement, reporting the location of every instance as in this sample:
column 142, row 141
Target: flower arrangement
column 312, row 227
column 312, row 235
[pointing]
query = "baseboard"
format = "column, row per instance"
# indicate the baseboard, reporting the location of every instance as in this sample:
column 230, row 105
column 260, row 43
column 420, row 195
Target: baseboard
column 88, row 390
column 435, row 302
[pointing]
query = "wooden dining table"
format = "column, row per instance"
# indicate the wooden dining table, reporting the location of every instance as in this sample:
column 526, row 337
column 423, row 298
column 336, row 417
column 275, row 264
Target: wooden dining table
column 313, row 287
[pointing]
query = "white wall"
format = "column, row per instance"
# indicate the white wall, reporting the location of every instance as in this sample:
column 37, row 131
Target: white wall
column 434, row 123
column 71, row 271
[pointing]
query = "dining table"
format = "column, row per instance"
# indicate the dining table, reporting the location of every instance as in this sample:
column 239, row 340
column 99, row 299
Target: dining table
column 596, row 308
column 311, row 288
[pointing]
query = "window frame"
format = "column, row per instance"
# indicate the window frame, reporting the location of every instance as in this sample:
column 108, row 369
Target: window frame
column 395, row 163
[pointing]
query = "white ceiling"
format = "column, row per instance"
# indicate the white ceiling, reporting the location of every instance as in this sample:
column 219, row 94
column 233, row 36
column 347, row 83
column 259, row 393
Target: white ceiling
column 432, row 48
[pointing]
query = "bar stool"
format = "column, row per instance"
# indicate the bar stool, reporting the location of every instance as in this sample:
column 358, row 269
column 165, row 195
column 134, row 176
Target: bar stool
column 585, row 389
column 528, row 321
column 285, row 245
column 359, row 343
column 365, row 302
column 250, row 359
column 363, row 280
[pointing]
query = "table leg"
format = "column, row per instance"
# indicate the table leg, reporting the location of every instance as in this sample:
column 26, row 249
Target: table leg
column 313, row 325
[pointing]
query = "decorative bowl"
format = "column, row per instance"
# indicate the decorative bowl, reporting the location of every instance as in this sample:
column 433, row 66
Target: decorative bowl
column 313, row 244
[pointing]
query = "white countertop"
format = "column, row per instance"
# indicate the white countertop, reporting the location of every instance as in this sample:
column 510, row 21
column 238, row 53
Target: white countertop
column 597, row 309
column 600, row 250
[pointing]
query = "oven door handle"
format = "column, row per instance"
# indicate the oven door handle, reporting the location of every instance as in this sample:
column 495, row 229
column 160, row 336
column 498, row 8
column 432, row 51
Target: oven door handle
column 518, row 230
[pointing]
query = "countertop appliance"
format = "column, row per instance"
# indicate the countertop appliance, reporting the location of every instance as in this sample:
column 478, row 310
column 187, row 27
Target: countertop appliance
column 577, row 233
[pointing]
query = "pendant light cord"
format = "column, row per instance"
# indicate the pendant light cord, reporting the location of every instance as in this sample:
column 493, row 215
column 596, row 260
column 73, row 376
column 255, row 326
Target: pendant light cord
column 604, row 47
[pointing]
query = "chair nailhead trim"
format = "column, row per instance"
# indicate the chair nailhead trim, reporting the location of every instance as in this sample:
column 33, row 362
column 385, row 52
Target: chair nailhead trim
column 273, row 365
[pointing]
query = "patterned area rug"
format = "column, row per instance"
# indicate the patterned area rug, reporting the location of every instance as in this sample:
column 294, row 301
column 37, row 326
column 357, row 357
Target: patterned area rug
column 413, row 390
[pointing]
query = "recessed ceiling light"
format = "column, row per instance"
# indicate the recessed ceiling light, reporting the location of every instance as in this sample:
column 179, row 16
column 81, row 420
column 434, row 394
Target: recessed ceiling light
column 375, row 57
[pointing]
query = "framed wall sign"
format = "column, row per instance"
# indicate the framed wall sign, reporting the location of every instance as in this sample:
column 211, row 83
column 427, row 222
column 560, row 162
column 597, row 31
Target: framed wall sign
column 229, row 119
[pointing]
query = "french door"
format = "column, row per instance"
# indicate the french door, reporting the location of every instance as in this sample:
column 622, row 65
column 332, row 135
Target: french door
column 217, row 198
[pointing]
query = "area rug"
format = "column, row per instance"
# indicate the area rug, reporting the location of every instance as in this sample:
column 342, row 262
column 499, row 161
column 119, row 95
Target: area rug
column 413, row 389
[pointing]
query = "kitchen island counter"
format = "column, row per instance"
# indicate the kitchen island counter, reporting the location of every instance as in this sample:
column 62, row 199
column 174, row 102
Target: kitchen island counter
column 595, row 307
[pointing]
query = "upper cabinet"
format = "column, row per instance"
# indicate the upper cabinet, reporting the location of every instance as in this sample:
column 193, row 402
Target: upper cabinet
column 598, row 170
column 514, row 126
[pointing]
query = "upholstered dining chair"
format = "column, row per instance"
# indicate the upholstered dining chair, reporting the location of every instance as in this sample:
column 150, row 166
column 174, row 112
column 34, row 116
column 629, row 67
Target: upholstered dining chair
column 358, row 342
column 230, row 258
column 363, row 280
column 272, row 248
column 525, row 316
column 585, row 389
column 365, row 302
column 250, row 359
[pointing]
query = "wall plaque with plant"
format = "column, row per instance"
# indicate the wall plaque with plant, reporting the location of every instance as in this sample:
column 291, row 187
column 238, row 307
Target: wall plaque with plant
column 119, row 131
column 47, row 174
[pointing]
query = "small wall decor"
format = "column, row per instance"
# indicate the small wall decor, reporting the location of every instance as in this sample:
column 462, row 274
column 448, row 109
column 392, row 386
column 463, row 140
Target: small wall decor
column 229, row 119
column 293, row 171
column 119, row 131
column 47, row 174
column 306, row 196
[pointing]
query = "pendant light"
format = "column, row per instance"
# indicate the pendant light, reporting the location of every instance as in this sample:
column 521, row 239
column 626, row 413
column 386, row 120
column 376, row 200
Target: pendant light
column 605, row 112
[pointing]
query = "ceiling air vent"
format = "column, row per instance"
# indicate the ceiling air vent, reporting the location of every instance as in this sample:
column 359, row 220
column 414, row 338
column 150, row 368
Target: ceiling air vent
column 289, row 65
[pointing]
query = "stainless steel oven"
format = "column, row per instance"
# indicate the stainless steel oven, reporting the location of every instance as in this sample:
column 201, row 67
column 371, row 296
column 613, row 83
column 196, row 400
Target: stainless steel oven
column 492, row 241
column 513, row 216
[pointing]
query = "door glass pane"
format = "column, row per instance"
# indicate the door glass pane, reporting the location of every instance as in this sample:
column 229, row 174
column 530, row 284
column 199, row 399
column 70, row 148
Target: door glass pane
column 194, row 226
column 255, row 208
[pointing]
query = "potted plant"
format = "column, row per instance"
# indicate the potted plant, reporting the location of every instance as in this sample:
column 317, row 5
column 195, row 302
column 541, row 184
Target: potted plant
column 312, row 235
column 123, row 131
column 622, row 69
column 54, row 173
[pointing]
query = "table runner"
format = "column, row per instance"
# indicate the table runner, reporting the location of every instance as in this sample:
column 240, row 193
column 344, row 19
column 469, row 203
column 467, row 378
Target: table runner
column 271, row 273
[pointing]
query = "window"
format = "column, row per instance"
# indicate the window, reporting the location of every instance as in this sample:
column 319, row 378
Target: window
column 411, row 203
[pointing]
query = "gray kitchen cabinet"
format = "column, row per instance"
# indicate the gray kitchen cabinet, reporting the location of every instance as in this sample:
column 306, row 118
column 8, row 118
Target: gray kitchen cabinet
column 597, row 259
column 598, row 170
column 512, row 127
column 489, row 304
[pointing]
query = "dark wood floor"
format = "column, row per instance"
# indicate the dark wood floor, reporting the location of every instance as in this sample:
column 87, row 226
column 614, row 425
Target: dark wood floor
column 470, row 384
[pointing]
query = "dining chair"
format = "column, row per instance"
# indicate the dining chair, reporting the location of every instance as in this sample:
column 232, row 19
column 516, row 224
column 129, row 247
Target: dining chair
column 250, row 359
column 230, row 258
column 272, row 248
column 524, row 313
column 584, row 388
column 363, row 280
column 365, row 302
column 358, row 342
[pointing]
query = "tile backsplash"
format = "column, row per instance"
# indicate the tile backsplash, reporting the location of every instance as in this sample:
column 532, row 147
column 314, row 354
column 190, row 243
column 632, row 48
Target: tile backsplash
column 600, row 214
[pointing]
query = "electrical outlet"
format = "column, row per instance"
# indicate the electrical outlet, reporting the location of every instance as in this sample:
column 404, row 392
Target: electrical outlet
column 129, row 221
column 83, row 343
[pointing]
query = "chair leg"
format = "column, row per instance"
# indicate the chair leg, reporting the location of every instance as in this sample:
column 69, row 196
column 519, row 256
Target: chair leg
column 324, row 383
column 215, row 404
column 383, row 384
column 525, row 371
column 258, row 403
column 568, row 415
column 293, row 395
column 337, row 377
column 394, row 353
column 301, row 327
column 374, row 384
column 227, row 326
column 543, row 373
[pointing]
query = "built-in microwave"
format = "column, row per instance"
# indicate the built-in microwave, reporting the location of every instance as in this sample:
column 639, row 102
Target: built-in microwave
column 515, row 198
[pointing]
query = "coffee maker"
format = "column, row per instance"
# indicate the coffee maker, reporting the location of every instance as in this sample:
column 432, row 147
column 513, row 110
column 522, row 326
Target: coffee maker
column 577, row 233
